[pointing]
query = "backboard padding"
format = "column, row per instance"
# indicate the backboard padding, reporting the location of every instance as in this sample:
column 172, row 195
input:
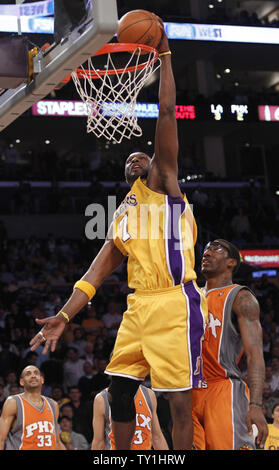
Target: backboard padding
column 61, row 60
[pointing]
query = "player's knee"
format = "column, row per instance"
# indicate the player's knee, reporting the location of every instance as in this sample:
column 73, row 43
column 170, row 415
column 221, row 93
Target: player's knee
column 121, row 398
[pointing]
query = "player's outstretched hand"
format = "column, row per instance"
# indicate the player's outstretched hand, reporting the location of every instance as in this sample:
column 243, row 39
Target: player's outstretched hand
column 51, row 331
column 255, row 416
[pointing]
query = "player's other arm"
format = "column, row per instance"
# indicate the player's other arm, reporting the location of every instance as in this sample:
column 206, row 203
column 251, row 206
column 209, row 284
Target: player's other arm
column 107, row 260
column 246, row 308
column 164, row 167
column 59, row 443
column 98, row 423
column 9, row 412
column 158, row 440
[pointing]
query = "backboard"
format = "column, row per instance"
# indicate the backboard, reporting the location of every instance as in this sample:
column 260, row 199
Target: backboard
column 52, row 66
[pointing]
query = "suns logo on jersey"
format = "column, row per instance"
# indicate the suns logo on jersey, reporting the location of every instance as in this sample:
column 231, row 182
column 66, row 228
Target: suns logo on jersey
column 213, row 323
column 40, row 427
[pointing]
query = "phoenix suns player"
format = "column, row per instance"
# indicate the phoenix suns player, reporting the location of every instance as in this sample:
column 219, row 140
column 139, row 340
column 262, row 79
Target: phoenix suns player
column 29, row 420
column 225, row 410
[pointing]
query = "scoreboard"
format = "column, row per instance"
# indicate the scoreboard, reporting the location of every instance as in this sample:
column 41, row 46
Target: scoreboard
column 201, row 112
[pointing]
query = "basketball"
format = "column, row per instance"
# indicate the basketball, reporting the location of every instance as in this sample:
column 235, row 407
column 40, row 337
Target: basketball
column 140, row 27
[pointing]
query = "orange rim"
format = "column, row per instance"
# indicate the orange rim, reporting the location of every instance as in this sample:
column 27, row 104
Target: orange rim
column 113, row 48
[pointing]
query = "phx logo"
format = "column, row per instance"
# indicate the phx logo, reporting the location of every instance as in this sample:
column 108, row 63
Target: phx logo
column 246, row 447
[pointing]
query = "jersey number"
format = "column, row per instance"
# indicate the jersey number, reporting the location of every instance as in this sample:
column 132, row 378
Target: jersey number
column 45, row 440
column 138, row 439
column 124, row 224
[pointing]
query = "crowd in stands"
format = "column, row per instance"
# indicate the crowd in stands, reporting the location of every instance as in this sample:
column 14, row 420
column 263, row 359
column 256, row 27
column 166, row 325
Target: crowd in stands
column 218, row 13
column 222, row 15
column 247, row 215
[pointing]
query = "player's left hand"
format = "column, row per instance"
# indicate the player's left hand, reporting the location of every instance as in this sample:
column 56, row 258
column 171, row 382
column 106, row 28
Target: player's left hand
column 51, row 331
column 255, row 416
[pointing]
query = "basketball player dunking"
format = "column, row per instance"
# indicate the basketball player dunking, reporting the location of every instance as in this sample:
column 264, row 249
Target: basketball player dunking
column 162, row 329
column 29, row 420
column 224, row 411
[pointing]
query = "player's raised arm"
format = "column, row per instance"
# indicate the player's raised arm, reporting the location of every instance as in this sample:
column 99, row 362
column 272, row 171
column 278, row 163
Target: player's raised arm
column 107, row 260
column 164, row 166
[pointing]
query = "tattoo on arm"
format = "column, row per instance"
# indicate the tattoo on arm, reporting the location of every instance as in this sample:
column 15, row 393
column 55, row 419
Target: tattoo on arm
column 247, row 310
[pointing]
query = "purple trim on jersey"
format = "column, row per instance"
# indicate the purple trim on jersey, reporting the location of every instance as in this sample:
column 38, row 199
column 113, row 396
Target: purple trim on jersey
column 196, row 330
column 176, row 207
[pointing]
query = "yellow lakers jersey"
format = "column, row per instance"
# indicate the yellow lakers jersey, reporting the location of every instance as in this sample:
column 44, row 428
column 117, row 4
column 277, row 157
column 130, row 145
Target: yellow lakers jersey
column 158, row 233
column 272, row 441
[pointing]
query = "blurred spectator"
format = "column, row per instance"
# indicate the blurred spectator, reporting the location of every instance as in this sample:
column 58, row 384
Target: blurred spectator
column 11, row 379
column 272, row 441
column 71, row 439
column 89, row 356
column 31, row 358
column 73, row 368
column 82, row 413
column 79, row 342
column 51, row 303
column 265, row 412
column 3, row 315
column 67, row 410
column 268, row 399
column 8, row 360
column 85, row 382
column 91, row 324
column 272, row 379
column 100, row 380
column 267, row 345
column 58, row 395
column 15, row 389
column 53, row 369
column 103, row 345
column 240, row 224
column 112, row 318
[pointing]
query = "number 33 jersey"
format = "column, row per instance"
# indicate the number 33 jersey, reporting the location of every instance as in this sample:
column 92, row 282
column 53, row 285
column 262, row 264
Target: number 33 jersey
column 158, row 234
column 34, row 429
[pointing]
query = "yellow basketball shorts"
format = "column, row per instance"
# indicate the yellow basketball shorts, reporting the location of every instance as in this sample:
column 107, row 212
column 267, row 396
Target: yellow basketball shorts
column 161, row 334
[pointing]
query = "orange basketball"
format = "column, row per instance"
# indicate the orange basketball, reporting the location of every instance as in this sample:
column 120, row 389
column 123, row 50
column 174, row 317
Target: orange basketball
column 140, row 27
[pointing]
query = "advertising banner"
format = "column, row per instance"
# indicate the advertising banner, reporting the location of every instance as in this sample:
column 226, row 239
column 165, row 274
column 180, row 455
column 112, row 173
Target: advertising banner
column 266, row 258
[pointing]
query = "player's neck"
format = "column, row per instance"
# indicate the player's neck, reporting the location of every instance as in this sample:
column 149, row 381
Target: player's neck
column 34, row 396
column 218, row 281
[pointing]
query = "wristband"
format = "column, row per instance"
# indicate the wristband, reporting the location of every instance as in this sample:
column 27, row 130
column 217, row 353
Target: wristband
column 165, row 53
column 85, row 287
column 255, row 403
column 65, row 315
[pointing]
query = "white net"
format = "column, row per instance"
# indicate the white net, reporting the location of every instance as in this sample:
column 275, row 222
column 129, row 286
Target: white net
column 111, row 95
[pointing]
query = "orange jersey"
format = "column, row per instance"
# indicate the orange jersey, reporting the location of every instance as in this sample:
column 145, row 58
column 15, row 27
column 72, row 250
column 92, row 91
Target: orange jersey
column 222, row 345
column 220, row 407
column 142, row 437
column 35, row 429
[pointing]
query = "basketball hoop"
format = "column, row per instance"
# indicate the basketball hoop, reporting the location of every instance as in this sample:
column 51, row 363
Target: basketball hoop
column 110, row 92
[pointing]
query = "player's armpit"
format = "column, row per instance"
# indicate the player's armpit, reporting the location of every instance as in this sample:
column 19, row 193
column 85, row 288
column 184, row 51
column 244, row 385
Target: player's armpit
column 107, row 260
